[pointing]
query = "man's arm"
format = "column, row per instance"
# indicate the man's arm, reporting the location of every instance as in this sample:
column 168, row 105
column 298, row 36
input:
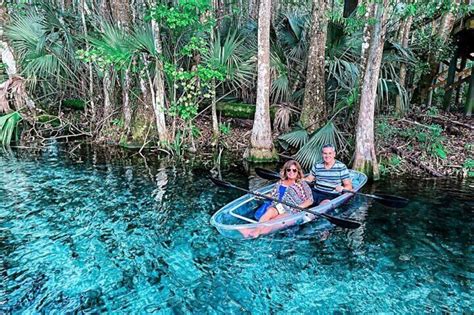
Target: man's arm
column 310, row 178
column 346, row 180
column 347, row 183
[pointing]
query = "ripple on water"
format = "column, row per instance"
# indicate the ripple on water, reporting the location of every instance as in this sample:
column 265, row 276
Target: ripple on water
column 105, row 238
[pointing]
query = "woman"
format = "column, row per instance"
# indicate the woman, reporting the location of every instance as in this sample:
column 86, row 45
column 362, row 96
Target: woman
column 291, row 189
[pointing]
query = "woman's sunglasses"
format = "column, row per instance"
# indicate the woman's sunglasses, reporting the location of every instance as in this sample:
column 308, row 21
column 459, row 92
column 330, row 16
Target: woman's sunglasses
column 294, row 170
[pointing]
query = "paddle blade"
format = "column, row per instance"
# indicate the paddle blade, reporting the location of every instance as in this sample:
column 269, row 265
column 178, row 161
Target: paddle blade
column 344, row 223
column 267, row 174
column 221, row 183
column 392, row 201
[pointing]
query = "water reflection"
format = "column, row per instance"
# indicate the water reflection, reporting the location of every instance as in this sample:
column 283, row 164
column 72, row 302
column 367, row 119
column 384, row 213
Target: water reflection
column 126, row 234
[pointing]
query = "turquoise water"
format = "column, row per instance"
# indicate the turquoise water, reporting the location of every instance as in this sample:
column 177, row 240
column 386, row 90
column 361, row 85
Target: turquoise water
column 84, row 234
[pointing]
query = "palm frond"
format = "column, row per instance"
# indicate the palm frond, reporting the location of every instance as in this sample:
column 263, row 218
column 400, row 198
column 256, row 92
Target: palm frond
column 114, row 44
column 44, row 46
column 24, row 33
column 310, row 153
column 295, row 138
column 143, row 39
column 231, row 54
column 292, row 34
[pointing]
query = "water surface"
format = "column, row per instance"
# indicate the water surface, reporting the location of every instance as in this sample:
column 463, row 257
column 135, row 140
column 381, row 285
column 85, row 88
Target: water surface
column 88, row 234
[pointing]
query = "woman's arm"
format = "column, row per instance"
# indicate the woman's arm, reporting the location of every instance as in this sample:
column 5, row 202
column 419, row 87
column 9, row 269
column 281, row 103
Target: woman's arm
column 306, row 203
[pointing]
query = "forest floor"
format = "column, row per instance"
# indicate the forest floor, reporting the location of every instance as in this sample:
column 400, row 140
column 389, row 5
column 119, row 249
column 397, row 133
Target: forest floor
column 419, row 144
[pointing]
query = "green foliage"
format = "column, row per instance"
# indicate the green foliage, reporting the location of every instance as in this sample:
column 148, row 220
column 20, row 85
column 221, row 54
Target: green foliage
column 296, row 138
column 74, row 103
column 225, row 128
column 385, row 130
column 429, row 138
column 176, row 145
column 392, row 165
column 185, row 14
column 113, row 47
column 432, row 111
column 310, row 145
column 45, row 48
column 118, row 122
column 468, row 165
column 194, row 86
column 3, row 72
column 195, row 45
column 49, row 120
column 8, row 123
column 233, row 59
column 195, row 131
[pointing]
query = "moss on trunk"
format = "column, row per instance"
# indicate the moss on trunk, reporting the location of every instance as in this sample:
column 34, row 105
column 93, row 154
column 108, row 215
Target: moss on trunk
column 262, row 155
column 367, row 167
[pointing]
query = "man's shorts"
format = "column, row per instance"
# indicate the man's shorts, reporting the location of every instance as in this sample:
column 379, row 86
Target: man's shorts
column 319, row 196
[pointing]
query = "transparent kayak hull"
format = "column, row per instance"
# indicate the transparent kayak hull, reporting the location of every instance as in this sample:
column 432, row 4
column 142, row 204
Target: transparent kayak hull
column 234, row 219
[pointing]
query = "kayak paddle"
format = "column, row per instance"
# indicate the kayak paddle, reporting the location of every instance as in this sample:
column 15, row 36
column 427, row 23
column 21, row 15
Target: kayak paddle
column 349, row 224
column 386, row 200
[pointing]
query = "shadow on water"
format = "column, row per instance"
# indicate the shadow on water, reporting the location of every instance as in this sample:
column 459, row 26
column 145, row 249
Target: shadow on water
column 101, row 230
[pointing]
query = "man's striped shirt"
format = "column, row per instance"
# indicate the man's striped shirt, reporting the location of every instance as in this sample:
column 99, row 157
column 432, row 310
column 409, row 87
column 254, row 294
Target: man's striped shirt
column 333, row 176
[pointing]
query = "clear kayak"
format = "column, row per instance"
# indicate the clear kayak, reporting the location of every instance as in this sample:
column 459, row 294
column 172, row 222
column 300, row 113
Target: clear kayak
column 236, row 219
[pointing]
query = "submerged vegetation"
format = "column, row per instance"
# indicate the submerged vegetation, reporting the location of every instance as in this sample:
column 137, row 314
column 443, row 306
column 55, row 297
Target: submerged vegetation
column 182, row 76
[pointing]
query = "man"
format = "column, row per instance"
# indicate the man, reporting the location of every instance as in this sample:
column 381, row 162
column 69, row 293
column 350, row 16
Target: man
column 330, row 172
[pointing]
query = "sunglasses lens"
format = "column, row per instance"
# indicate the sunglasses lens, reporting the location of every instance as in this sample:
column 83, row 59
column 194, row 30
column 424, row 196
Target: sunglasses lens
column 291, row 170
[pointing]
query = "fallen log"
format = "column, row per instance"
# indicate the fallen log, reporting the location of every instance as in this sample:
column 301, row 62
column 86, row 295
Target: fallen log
column 454, row 122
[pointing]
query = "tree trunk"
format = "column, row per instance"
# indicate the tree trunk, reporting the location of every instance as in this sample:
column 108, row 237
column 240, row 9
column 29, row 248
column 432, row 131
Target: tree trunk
column 469, row 106
column 444, row 30
column 261, row 140
column 366, row 36
column 403, row 38
column 215, row 121
column 159, row 89
column 83, row 10
column 122, row 16
column 314, row 112
column 365, row 158
column 108, row 90
column 107, row 80
column 15, row 83
column 127, row 109
column 253, row 8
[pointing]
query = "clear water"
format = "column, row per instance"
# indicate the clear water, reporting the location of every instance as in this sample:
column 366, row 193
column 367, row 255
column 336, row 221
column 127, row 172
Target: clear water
column 87, row 235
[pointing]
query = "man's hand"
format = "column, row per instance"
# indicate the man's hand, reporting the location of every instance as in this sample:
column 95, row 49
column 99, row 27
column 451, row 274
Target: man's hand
column 310, row 178
column 339, row 188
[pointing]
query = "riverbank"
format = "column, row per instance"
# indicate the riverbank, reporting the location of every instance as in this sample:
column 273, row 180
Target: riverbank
column 422, row 144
